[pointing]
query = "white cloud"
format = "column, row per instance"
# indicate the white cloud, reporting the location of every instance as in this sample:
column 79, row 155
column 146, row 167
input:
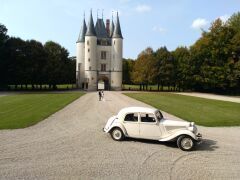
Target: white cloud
column 199, row 23
column 143, row 8
column 159, row 29
column 224, row 18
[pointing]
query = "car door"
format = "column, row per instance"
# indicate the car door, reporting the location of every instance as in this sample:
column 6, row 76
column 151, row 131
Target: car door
column 131, row 124
column 149, row 126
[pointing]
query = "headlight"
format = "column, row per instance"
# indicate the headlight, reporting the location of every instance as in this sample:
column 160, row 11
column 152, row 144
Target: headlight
column 191, row 128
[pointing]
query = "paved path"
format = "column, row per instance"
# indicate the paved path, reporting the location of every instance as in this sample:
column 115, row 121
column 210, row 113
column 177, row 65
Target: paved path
column 212, row 96
column 70, row 144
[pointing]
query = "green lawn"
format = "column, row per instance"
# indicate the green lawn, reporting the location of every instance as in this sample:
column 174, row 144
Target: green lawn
column 202, row 111
column 23, row 110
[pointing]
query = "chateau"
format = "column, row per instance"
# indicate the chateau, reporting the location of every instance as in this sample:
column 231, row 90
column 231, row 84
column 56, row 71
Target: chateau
column 99, row 55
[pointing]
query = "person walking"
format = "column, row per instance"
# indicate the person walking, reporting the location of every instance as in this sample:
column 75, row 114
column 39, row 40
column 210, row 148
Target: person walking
column 100, row 95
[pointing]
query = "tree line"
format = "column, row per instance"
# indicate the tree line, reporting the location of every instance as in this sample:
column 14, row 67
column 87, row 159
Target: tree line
column 33, row 63
column 211, row 64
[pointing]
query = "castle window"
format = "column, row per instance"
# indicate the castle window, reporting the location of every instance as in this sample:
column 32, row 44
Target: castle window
column 87, row 42
column 103, row 55
column 88, row 50
column 88, row 59
column 90, row 68
column 114, row 42
column 103, row 67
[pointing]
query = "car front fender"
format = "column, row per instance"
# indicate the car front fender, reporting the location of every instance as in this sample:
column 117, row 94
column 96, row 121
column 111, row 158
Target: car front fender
column 179, row 133
column 118, row 125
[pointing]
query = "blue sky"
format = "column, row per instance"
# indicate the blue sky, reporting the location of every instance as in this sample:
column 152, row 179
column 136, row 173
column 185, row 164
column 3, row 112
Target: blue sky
column 154, row 23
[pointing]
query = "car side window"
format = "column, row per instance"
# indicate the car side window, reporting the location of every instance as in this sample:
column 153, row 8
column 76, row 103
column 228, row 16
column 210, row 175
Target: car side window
column 132, row 117
column 147, row 117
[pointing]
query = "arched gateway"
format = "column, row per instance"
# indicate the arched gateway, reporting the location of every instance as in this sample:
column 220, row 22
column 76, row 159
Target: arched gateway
column 103, row 83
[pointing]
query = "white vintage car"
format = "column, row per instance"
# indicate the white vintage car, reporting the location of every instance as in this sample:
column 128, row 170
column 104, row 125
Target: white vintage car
column 148, row 123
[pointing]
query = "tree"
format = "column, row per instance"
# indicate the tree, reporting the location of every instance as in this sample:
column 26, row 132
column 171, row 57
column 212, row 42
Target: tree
column 234, row 22
column 147, row 51
column 182, row 67
column 127, row 70
column 3, row 59
column 36, row 61
column 144, row 70
column 57, row 59
column 165, row 68
column 15, row 57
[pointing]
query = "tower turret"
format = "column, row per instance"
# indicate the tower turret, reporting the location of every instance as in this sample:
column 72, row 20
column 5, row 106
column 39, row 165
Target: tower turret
column 90, row 55
column 117, row 53
column 111, row 28
column 80, row 55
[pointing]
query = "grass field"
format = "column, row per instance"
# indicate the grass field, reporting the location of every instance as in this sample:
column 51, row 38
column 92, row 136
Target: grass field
column 23, row 110
column 202, row 111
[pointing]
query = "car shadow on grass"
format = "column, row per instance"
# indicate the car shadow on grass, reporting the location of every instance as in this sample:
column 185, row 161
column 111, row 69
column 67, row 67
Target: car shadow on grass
column 206, row 145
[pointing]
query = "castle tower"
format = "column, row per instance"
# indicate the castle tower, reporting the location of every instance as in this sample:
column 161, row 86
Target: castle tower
column 117, row 51
column 90, row 56
column 80, row 64
column 99, row 55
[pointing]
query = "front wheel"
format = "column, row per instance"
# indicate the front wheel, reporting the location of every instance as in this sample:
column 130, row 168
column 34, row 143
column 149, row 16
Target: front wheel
column 185, row 143
column 117, row 134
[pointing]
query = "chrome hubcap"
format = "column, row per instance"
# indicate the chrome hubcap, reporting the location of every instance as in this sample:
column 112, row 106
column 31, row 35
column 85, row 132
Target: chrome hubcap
column 187, row 143
column 117, row 134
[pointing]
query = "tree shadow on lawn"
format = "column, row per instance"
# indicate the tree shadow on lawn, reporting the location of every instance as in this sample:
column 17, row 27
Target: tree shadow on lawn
column 206, row 145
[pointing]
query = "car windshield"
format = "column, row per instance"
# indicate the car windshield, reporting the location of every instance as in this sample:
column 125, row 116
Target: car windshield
column 159, row 115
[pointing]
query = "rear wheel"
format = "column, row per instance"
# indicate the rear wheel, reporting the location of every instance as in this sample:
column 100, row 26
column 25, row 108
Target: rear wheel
column 185, row 143
column 117, row 134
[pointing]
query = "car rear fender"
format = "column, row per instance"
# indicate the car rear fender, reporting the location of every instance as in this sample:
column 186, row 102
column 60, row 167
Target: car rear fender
column 118, row 125
column 178, row 133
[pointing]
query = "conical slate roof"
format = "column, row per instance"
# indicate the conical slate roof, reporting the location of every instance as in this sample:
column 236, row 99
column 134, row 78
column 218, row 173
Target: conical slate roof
column 111, row 29
column 117, row 30
column 100, row 29
column 81, row 37
column 90, row 29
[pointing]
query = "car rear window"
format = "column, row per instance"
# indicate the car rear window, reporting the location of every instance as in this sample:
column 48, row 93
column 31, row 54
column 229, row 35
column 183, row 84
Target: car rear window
column 145, row 117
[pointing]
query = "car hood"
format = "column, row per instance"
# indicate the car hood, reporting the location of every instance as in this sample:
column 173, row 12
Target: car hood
column 169, row 122
column 172, row 125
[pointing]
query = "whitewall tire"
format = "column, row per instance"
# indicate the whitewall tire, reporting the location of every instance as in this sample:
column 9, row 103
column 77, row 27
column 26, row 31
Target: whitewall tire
column 185, row 143
column 117, row 134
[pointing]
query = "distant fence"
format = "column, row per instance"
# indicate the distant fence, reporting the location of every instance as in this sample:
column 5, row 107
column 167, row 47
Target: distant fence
column 40, row 87
column 144, row 87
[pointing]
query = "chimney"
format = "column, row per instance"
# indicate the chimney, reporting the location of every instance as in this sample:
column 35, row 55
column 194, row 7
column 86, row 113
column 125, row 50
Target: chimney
column 108, row 26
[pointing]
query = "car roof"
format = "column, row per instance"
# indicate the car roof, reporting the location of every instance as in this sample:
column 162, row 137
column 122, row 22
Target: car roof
column 136, row 109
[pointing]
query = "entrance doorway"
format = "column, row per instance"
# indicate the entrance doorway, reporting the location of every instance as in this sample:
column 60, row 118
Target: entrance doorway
column 103, row 83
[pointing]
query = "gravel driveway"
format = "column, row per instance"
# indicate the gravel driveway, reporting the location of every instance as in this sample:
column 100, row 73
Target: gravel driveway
column 70, row 144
